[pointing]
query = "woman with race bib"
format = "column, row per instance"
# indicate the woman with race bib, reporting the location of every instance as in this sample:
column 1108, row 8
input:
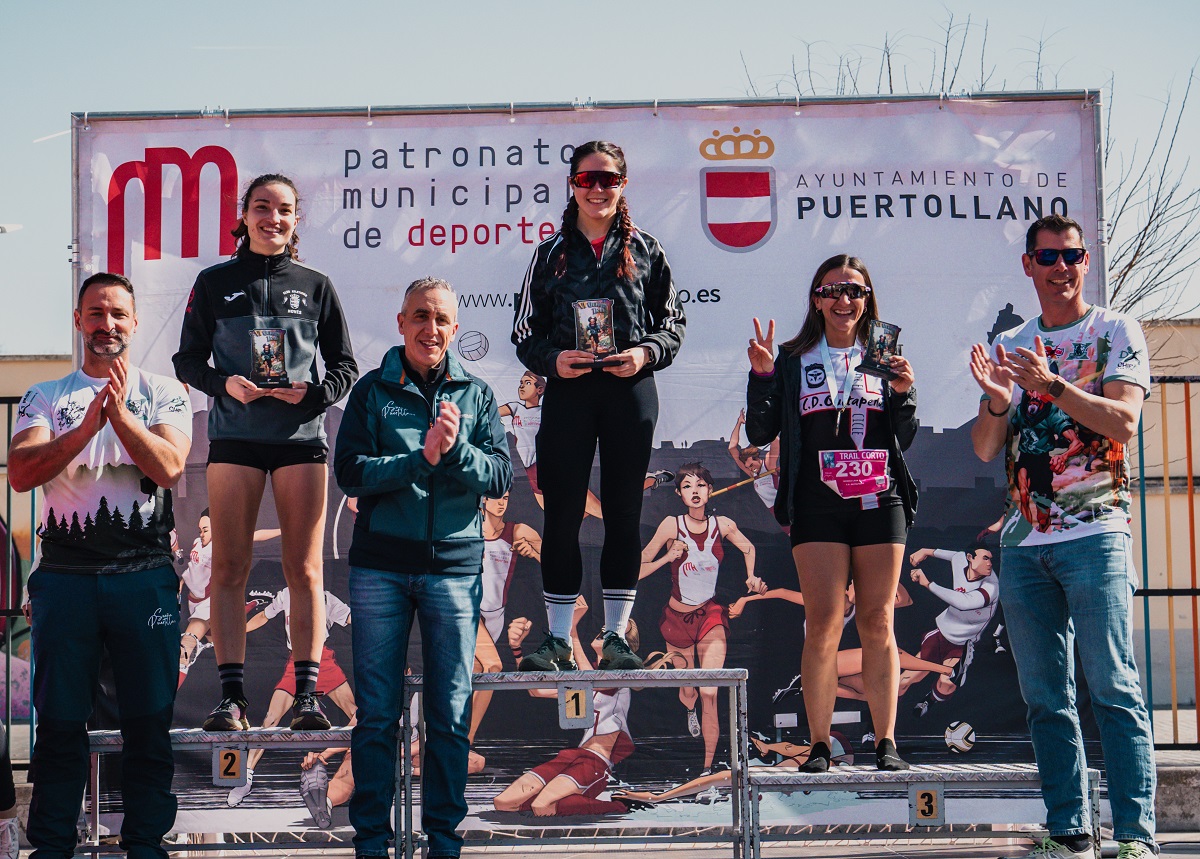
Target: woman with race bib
column 844, row 488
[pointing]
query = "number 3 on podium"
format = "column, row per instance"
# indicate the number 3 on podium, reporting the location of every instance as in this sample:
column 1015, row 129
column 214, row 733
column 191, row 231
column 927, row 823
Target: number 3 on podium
column 229, row 766
column 925, row 805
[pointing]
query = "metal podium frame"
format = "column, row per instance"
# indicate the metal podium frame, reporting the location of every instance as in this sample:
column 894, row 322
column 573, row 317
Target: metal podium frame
column 407, row 839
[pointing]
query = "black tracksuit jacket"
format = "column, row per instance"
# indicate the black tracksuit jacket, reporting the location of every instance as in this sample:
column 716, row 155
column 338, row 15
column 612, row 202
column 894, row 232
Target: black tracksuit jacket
column 255, row 291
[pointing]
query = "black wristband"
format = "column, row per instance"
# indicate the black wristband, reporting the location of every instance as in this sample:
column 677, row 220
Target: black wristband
column 1002, row 414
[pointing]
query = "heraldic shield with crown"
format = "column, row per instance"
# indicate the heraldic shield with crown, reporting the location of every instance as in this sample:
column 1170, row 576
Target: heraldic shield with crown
column 737, row 203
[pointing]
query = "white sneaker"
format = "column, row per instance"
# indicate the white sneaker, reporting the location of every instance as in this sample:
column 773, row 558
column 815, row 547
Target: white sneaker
column 1051, row 849
column 10, row 838
column 693, row 722
column 237, row 794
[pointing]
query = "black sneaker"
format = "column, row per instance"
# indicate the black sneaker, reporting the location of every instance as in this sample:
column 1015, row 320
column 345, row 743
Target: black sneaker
column 229, row 715
column 615, row 655
column 307, row 715
column 887, row 758
column 554, row 654
column 818, row 759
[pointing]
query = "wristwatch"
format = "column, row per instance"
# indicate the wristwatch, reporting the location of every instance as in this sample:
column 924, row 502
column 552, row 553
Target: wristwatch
column 1055, row 389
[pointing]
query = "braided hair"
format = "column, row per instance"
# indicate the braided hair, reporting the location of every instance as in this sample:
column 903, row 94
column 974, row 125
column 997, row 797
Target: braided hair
column 625, row 227
column 242, row 234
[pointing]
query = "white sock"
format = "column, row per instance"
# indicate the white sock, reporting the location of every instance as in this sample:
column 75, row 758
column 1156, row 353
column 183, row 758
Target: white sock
column 560, row 609
column 618, row 605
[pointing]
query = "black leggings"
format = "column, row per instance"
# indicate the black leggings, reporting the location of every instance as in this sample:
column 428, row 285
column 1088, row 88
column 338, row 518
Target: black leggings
column 576, row 414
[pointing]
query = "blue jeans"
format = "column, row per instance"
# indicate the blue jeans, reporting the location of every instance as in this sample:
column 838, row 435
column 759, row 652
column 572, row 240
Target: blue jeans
column 382, row 604
column 1051, row 595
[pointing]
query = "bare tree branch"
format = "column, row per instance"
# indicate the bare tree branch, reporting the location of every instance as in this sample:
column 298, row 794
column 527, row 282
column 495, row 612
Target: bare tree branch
column 1152, row 202
column 749, row 78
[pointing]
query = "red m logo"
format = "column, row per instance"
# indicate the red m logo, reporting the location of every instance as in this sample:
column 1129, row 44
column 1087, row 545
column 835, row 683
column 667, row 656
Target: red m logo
column 149, row 173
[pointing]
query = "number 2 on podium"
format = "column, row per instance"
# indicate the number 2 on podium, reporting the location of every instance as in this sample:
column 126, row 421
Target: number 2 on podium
column 229, row 766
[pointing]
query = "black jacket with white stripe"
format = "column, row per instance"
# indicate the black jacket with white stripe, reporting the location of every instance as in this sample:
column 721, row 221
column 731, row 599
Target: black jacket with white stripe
column 646, row 308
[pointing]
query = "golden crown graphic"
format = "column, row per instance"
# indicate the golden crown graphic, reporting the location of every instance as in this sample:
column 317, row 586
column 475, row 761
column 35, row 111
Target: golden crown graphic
column 728, row 147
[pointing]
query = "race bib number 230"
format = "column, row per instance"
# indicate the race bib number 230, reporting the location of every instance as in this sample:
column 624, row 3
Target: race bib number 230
column 855, row 473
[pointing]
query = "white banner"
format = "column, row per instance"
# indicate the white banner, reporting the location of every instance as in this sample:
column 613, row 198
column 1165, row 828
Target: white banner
column 934, row 195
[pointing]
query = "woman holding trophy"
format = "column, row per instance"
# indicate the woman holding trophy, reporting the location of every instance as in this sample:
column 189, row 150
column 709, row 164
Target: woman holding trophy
column 262, row 317
column 843, row 414
column 597, row 315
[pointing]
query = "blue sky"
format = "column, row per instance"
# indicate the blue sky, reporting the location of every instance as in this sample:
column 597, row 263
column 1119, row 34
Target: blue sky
column 58, row 56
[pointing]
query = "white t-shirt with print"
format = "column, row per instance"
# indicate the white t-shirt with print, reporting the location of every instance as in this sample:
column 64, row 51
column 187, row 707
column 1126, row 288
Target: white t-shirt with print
column 101, row 513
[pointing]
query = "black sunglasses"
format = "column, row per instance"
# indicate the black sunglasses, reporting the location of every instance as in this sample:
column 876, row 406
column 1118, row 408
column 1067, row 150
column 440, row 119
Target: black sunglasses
column 837, row 290
column 1049, row 256
column 603, row 178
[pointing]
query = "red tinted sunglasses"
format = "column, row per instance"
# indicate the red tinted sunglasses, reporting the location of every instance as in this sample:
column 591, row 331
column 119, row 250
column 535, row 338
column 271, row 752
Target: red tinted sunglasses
column 592, row 178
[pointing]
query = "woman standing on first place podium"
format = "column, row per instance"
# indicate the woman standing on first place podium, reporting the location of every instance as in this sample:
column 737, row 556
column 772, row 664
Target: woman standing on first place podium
column 843, row 488
column 597, row 315
column 262, row 317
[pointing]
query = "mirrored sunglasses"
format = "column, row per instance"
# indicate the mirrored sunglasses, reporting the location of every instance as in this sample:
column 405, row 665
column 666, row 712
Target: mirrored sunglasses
column 1049, row 256
column 837, row 290
column 603, row 178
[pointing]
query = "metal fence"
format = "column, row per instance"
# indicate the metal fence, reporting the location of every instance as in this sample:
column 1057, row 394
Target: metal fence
column 1170, row 597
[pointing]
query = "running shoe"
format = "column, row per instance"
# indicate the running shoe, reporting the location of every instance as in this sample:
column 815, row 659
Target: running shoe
column 1048, row 848
column 229, row 715
column 819, row 756
column 1135, row 850
column 241, row 791
column 554, row 654
column 307, row 715
column 887, row 758
column 615, row 655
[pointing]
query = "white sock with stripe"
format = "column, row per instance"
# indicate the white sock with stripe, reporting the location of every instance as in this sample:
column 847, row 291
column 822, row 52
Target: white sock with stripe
column 560, row 609
column 618, row 605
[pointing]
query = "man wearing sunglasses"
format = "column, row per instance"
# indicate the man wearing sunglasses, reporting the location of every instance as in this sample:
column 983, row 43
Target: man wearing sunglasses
column 1083, row 370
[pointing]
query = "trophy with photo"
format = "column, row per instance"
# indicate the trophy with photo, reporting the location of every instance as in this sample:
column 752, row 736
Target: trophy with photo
column 268, row 364
column 594, row 332
column 883, row 342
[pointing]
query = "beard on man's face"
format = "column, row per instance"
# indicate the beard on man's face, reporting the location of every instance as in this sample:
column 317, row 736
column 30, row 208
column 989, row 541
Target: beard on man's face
column 106, row 344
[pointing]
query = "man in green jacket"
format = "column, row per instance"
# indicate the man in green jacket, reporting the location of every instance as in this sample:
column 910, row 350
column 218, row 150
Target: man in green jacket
column 420, row 443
